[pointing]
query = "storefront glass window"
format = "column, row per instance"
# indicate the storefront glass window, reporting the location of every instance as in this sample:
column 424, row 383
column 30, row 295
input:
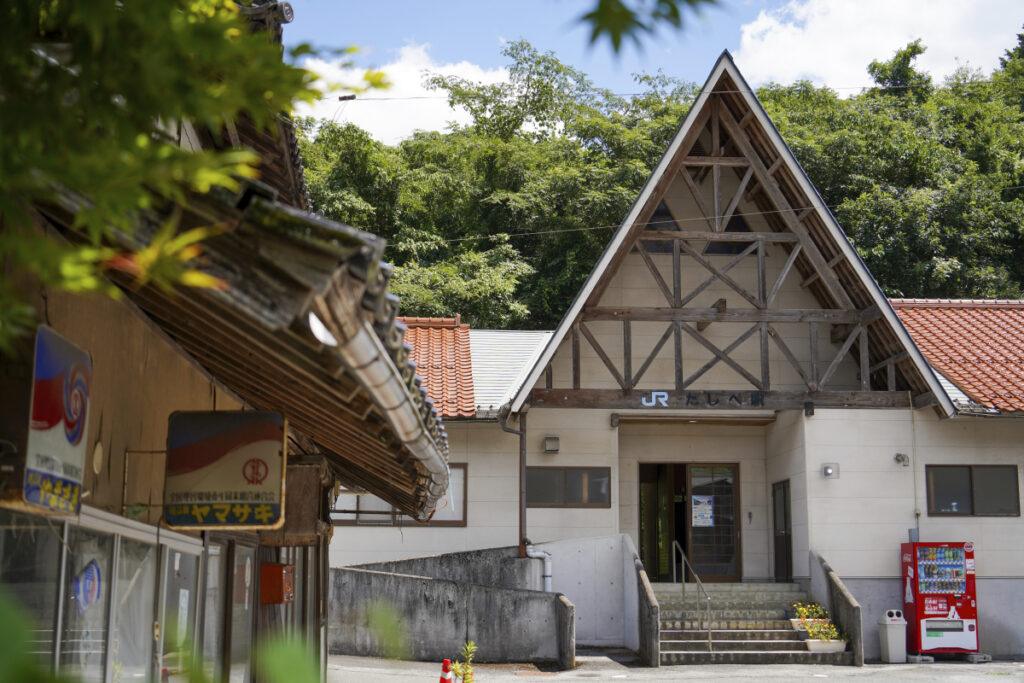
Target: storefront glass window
column 132, row 645
column 213, row 615
column 29, row 567
column 86, row 604
column 179, row 612
column 242, row 606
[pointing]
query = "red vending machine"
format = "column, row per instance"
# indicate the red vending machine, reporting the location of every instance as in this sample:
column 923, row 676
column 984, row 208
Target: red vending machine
column 939, row 599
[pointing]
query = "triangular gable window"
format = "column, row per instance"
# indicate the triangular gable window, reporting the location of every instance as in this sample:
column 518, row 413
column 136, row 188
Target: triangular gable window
column 661, row 220
column 736, row 224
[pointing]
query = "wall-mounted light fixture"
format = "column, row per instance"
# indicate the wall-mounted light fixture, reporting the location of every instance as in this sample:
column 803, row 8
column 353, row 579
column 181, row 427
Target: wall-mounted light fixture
column 902, row 459
column 830, row 470
column 550, row 444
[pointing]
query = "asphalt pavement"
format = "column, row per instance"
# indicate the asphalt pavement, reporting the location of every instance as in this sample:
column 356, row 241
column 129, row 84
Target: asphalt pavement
column 613, row 665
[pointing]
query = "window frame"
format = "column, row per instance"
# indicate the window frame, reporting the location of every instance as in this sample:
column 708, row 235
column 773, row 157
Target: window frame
column 567, row 469
column 932, row 512
column 398, row 519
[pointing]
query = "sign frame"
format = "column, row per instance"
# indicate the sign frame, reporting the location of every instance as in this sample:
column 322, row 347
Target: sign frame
column 278, row 523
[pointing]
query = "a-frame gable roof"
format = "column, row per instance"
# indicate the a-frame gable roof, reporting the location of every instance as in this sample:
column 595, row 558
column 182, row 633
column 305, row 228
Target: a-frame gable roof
column 779, row 187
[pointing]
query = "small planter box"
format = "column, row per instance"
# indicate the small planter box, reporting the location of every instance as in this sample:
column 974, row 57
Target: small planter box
column 814, row 645
column 801, row 624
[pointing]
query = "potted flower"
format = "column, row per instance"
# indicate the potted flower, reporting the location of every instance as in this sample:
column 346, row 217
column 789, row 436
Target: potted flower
column 823, row 636
column 805, row 613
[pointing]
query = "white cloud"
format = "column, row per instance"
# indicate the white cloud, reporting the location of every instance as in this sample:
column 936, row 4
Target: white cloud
column 831, row 42
column 409, row 105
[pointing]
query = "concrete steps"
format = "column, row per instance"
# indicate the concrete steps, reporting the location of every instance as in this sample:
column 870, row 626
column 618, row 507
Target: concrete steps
column 748, row 626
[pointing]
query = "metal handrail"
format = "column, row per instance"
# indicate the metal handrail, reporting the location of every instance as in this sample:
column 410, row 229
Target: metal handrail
column 700, row 585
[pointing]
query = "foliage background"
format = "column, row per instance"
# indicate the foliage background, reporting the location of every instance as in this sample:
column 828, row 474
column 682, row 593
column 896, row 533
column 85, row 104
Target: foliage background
column 502, row 220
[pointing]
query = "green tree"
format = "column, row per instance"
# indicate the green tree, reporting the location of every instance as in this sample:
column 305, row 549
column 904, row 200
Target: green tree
column 92, row 96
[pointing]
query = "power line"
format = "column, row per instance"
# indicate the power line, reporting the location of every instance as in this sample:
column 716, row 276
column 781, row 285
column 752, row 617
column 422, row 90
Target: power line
column 980, row 81
column 667, row 222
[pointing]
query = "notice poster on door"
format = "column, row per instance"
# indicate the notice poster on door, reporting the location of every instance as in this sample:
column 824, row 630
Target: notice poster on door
column 703, row 511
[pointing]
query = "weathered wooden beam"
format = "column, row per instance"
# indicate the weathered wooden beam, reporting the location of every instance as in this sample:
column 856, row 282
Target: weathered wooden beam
column 695, row 192
column 890, row 376
column 711, row 280
column 790, row 356
column 813, row 277
column 720, row 314
column 843, row 350
column 762, row 276
column 889, row 361
column 652, row 355
column 677, row 276
column 716, row 161
column 786, row 211
column 721, row 399
column 548, row 377
column 720, row 355
column 653, row 199
column 594, row 344
column 660, row 281
column 576, row 356
column 813, row 342
column 786, row 267
column 923, row 400
column 677, row 354
column 696, row 236
column 765, row 365
column 720, row 306
column 740, row 289
column 627, row 355
column 735, row 201
column 865, row 361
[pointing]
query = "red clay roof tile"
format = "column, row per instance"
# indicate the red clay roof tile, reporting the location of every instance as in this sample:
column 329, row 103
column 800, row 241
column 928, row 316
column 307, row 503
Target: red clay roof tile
column 977, row 344
column 440, row 348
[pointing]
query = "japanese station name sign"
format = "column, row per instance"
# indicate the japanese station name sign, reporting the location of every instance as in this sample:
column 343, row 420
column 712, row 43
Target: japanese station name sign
column 225, row 469
column 59, row 412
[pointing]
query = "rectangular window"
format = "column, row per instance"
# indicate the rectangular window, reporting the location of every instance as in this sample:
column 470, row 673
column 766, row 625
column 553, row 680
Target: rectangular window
column 352, row 509
column 575, row 487
column 980, row 490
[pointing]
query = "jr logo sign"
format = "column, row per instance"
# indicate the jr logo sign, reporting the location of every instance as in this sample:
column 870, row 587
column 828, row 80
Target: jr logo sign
column 657, row 398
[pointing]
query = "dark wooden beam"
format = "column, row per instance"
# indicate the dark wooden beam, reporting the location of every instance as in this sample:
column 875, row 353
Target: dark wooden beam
column 720, row 274
column 719, row 313
column 677, row 276
column 714, row 277
column 720, row 355
column 735, row 202
column 790, row 356
column 677, row 348
column 865, row 361
column 765, row 365
column 715, row 161
column 834, row 365
column 548, row 377
column 652, row 355
column 721, row 399
column 660, row 281
column 653, row 199
column 627, row 355
column 813, row 343
column 697, row 236
column 706, row 214
column 786, row 212
column 786, row 267
column 594, row 344
column 720, row 306
column 576, row 356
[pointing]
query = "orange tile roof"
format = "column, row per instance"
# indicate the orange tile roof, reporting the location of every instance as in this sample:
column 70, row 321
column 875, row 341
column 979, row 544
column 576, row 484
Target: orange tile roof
column 977, row 344
column 440, row 348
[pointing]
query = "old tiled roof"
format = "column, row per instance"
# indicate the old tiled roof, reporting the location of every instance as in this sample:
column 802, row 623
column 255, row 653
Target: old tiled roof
column 977, row 344
column 440, row 348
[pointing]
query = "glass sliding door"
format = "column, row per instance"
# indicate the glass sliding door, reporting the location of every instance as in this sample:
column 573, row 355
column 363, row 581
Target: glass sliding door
column 131, row 648
column 181, row 574
column 30, row 556
column 242, row 612
column 86, row 596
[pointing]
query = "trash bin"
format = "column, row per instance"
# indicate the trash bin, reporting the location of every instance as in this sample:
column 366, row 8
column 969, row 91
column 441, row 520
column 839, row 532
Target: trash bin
column 892, row 634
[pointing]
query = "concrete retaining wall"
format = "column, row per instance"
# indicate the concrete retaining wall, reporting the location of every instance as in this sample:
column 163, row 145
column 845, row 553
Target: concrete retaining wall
column 648, row 618
column 828, row 589
column 435, row 617
column 497, row 567
column 598, row 576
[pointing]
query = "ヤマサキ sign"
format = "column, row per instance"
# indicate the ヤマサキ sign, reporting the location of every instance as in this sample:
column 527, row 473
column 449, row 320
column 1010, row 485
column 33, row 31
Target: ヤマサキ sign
column 59, row 412
column 225, row 469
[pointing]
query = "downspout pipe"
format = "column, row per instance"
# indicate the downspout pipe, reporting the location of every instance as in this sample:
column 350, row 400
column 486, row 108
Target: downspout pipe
column 521, row 433
column 535, row 554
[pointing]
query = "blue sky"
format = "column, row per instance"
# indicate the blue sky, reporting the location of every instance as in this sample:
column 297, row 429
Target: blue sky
column 474, row 31
column 828, row 41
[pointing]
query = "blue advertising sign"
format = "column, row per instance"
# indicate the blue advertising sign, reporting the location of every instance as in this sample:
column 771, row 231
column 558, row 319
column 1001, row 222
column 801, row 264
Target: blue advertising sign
column 55, row 449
